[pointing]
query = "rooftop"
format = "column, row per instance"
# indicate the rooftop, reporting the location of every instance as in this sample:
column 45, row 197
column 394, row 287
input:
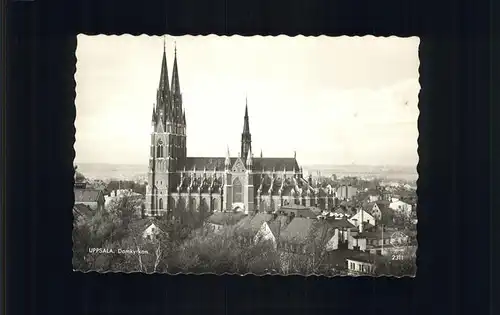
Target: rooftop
column 86, row 194
column 226, row 218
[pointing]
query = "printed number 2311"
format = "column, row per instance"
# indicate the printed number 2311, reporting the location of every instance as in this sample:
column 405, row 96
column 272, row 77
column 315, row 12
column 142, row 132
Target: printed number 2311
column 397, row 257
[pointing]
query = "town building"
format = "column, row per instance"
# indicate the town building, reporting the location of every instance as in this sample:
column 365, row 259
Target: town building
column 401, row 207
column 346, row 192
column 381, row 212
column 92, row 198
column 362, row 216
column 362, row 263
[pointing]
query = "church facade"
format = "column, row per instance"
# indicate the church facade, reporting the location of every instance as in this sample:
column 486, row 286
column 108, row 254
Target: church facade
column 178, row 184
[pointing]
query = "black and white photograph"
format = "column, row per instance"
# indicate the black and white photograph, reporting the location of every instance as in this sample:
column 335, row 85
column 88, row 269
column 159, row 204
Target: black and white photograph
column 246, row 155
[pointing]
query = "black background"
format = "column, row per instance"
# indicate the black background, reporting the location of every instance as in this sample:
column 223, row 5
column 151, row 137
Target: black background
column 455, row 199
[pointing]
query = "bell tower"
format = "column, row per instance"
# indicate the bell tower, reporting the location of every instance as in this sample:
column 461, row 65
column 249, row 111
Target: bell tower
column 168, row 142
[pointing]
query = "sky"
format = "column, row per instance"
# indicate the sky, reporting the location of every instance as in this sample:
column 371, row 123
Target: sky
column 333, row 100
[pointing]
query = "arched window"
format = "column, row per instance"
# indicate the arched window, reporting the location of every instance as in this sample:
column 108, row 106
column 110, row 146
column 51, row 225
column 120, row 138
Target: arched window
column 159, row 149
column 160, row 206
column 237, row 191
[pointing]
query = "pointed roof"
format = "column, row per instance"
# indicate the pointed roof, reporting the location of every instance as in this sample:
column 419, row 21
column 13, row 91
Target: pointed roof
column 164, row 84
column 246, row 127
column 176, row 89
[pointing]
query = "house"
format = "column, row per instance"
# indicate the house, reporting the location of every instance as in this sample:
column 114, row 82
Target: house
column 380, row 241
column 147, row 228
column 401, row 207
column 362, row 216
column 217, row 221
column 248, row 227
column 363, row 263
column 271, row 230
column 93, row 198
column 373, row 241
column 342, row 228
column 381, row 212
column 151, row 232
column 346, row 192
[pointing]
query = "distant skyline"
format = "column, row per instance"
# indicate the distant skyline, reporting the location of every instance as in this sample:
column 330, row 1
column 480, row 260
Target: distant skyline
column 333, row 100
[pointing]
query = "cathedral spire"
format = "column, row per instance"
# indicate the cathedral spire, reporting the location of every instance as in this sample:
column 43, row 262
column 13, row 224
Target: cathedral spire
column 246, row 137
column 176, row 89
column 164, row 84
column 246, row 127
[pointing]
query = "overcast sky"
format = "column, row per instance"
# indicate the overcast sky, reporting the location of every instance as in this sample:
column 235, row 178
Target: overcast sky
column 335, row 100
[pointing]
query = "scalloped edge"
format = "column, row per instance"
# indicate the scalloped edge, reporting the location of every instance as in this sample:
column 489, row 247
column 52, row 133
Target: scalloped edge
column 418, row 166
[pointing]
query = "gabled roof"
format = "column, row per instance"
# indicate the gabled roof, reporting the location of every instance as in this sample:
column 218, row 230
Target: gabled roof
column 298, row 231
column 251, row 224
column 86, row 195
column 340, row 224
column 303, row 231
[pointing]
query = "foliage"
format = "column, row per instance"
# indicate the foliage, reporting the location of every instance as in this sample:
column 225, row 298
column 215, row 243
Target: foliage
column 310, row 262
column 207, row 251
column 105, row 229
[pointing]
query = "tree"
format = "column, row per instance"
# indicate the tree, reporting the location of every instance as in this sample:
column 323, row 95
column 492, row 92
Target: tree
column 308, row 256
column 221, row 253
column 104, row 230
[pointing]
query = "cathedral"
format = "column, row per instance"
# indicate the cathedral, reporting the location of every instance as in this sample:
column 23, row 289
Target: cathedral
column 178, row 183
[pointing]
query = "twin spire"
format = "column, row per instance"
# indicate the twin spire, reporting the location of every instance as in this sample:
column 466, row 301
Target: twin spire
column 169, row 97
